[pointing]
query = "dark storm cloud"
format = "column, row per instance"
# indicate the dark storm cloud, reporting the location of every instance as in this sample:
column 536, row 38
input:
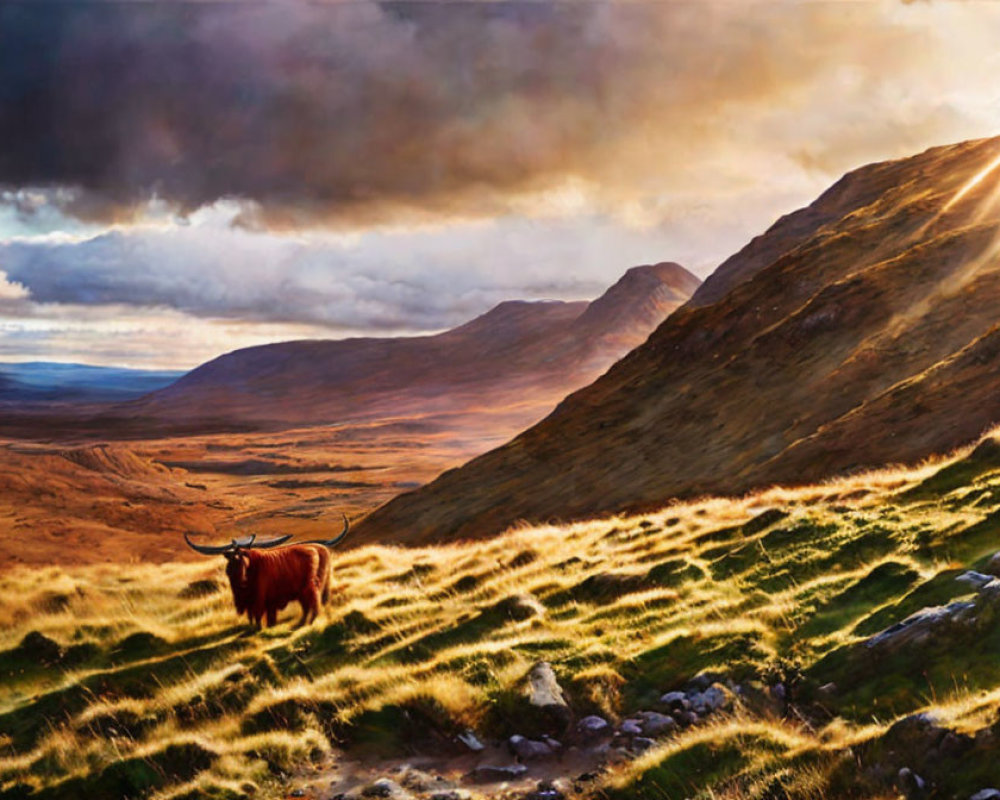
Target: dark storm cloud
column 360, row 112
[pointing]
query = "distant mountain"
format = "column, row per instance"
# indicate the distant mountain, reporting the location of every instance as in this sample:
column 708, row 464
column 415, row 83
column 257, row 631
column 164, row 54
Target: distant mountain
column 518, row 360
column 860, row 331
column 46, row 382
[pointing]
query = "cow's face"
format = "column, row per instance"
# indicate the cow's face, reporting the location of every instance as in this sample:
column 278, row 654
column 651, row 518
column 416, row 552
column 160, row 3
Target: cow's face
column 237, row 565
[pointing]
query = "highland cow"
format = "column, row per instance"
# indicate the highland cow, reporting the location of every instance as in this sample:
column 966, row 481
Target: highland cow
column 264, row 579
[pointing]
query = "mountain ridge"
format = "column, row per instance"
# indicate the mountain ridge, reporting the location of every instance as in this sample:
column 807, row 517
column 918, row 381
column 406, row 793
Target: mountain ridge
column 780, row 369
column 519, row 353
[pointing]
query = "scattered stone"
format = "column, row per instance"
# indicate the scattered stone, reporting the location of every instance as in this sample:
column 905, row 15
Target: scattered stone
column 529, row 749
column 986, row 794
column 470, row 740
column 451, row 794
column 383, row 787
column 546, row 790
column 919, row 627
column 656, row 724
column 700, row 683
column 911, row 785
column 675, row 701
column 687, row 718
column 492, row 774
column 828, row 689
column 977, row 579
column 593, row 726
column 297, row 793
column 993, row 566
column 416, row 780
column 718, row 696
column 778, row 692
column 630, row 728
column 546, row 697
column 642, row 743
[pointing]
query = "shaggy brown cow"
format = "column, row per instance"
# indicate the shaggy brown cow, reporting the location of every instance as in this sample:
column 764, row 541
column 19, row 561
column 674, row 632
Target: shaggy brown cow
column 264, row 580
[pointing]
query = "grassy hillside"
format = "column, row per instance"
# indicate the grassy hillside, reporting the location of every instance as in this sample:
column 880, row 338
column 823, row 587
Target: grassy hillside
column 137, row 680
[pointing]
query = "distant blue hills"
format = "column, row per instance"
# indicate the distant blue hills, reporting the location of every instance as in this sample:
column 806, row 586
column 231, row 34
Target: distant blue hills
column 48, row 382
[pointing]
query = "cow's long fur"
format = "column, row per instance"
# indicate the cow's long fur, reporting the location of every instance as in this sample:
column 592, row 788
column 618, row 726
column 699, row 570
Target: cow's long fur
column 265, row 581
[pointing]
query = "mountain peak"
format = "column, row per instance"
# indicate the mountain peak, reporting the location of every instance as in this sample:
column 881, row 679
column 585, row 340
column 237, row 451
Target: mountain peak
column 857, row 332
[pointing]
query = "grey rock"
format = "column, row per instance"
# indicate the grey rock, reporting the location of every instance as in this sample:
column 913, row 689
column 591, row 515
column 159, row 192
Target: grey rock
column 712, row 699
column 986, row 794
column 911, row 785
column 548, row 711
column 544, row 690
column 546, row 790
column 655, row 724
column 383, row 787
column 919, row 627
column 451, row 794
column 828, row 689
column 675, row 700
column 529, row 749
column 687, row 718
column 630, row 727
column 641, row 744
column 470, row 740
column 593, row 726
column 297, row 793
column 973, row 578
column 491, row 774
column 993, row 566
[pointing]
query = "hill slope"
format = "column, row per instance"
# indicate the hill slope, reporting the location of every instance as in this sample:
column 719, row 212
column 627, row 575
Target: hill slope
column 519, row 354
column 843, row 631
column 856, row 332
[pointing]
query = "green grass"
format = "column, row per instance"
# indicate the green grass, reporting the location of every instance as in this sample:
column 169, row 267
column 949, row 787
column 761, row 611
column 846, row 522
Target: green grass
column 140, row 681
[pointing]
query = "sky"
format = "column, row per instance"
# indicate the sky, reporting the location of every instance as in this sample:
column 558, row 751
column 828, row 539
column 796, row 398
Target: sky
column 182, row 178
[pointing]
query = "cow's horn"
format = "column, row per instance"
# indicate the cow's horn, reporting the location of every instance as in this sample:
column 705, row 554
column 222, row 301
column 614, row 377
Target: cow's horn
column 207, row 549
column 334, row 541
column 270, row 542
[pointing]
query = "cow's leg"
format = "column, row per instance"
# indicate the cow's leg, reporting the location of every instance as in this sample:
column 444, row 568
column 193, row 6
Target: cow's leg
column 310, row 606
column 272, row 617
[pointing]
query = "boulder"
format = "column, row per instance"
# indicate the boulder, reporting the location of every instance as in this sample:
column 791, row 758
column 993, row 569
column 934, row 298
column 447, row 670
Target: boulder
column 975, row 579
column 630, row 727
column 548, row 710
column 531, row 749
column 546, row 790
column 714, row 698
column 384, row 787
column 471, row 741
column 656, row 724
column 993, row 566
column 642, row 743
column 986, row 794
column 593, row 727
column 675, row 701
column 491, row 774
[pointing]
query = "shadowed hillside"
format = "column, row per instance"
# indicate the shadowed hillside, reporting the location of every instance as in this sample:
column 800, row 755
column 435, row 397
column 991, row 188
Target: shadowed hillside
column 525, row 355
column 860, row 331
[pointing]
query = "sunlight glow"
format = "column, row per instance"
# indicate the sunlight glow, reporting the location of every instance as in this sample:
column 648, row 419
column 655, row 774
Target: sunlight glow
column 972, row 183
